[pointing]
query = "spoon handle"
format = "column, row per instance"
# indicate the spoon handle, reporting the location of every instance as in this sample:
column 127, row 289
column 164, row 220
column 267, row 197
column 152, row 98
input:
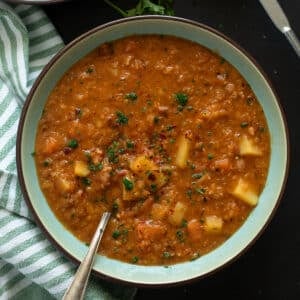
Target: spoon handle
column 77, row 288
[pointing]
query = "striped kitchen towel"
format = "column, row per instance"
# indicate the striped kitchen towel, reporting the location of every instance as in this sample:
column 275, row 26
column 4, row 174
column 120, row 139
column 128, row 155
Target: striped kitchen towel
column 27, row 260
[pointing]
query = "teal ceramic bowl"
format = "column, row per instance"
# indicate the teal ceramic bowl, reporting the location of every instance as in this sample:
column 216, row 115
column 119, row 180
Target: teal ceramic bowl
column 154, row 275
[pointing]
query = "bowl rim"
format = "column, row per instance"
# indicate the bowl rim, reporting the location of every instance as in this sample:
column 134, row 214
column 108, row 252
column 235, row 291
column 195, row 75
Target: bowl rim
column 45, row 71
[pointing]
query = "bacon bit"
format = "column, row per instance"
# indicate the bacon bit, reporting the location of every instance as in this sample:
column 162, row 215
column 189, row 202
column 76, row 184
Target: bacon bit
column 194, row 230
column 188, row 134
column 122, row 172
column 67, row 150
column 162, row 136
column 222, row 164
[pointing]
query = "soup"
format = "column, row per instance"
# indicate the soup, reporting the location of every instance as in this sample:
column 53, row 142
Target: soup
column 162, row 132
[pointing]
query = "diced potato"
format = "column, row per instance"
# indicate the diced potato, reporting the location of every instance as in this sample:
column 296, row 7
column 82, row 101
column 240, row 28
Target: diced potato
column 156, row 177
column 178, row 214
column 194, row 230
column 64, row 185
column 158, row 211
column 142, row 163
column 244, row 192
column 137, row 191
column 81, row 168
column 247, row 147
column 182, row 152
column 213, row 224
column 51, row 145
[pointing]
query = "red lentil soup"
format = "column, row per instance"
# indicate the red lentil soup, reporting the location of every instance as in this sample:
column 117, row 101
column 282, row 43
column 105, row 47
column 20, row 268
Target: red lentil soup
column 162, row 132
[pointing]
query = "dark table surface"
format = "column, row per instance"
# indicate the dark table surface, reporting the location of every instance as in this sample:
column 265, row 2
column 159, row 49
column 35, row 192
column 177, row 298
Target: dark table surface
column 271, row 268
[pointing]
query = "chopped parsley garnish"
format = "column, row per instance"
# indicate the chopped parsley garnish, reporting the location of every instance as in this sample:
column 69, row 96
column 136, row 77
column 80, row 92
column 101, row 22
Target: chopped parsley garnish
column 131, row 96
column 153, row 187
column 135, row 259
column 115, row 207
column 200, row 191
column 95, row 167
column 181, row 99
column 180, row 235
column 129, row 144
column 156, row 120
column 170, row 127
column 116, row 234
column 250, row 100
column 47, row 162
column 86, row 181
column 183, row 223
column 166, row 254
column 73, row 143
column 210, row 156
column 189, row 193
column 122, row 119
column 197, row 175
column 244, row 124
column 112, row 153
column 128, row 184
column 89, row 70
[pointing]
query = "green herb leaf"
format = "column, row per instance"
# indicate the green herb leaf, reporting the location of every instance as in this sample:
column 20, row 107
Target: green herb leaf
column 197, row 175
column 135, row 259
column 122, row 119
column 210, row 156
column 181, row 99
column 95, row 167
column 166, row 254
column 128, row 184
column 89, row 70
column 86, row 181
column 131, row 96
column 73, row 143
column 244, row 124
column 129, row 144
column 146, row 7
column 180, row 235
column 115, row 208
column 200, row 191
column 116, row 234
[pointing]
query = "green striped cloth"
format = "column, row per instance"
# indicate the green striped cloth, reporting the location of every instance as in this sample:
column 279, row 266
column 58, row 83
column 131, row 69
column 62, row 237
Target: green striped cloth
column 30, row 267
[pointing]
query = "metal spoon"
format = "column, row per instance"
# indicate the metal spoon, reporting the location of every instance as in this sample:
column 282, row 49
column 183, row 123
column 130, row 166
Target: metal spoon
column 77, row 289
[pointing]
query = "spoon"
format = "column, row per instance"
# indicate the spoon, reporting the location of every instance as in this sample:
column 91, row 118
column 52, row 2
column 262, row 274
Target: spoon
column 77, row 289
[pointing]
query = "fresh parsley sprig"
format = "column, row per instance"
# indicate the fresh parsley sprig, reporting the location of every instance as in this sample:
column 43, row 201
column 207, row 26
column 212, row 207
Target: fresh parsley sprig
column 146, row 7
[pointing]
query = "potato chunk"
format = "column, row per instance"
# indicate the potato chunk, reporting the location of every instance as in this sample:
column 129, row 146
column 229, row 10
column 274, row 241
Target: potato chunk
column 159, row 211
column 142, row 163
column 182, row 152
column 81, row 168
column 244, row 192
column 64, row 185
column 213, row 224
column 178, row 214
column 247, row 147
column 194, row 230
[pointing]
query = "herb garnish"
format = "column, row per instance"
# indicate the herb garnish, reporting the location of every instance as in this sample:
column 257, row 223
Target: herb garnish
column 73, row 143
column 122, row 119
column 146, row 7
column 181, row 99
column 131, row 96
column 128, row 184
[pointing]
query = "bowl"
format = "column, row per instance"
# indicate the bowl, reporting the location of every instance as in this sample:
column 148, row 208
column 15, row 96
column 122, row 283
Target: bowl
column 246, row 234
